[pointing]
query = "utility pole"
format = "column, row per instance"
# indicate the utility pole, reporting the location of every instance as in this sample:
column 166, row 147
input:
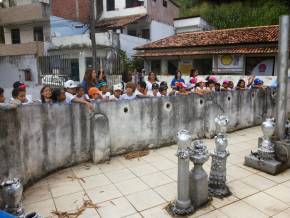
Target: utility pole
column 93, row 32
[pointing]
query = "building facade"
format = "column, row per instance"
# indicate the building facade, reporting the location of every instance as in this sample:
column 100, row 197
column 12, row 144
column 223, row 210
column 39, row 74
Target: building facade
column 239, row 51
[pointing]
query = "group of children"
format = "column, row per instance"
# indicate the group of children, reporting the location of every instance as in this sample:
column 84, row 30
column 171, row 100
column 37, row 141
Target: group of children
column 92, row 90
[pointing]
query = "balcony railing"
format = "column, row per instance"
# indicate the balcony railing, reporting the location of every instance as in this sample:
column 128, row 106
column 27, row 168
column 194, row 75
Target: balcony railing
column 35, row 12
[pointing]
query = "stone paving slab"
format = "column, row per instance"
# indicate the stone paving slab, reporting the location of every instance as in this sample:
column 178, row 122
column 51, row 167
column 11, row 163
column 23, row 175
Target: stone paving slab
column 143, row 187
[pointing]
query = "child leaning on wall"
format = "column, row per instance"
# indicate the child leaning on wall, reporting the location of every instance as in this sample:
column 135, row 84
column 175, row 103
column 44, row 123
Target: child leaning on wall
column 129, row 92
column 2, row 97
column 18, row 96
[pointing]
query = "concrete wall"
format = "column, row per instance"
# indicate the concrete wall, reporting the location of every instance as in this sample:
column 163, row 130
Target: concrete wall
column 160, row 30
column 11, row 70
column 37, row 140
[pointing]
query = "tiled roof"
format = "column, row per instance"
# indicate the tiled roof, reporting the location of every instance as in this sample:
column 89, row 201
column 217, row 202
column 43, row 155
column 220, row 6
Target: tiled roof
column 190, row 52
column 247, row 35
column 117, row 22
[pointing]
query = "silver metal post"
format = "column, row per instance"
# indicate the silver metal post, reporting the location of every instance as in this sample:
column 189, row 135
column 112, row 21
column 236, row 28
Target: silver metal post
column 282, row 76
column 183, row 206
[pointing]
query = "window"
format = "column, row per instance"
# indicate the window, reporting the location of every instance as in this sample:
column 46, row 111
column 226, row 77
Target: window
column 134, row 3
column 2, row 38
column 110, row 5
column 260, row 66
column 38, row 34
column 132, row 32
column 146, row 33
column 156, row 66
column 165, row 3
column 15, row 36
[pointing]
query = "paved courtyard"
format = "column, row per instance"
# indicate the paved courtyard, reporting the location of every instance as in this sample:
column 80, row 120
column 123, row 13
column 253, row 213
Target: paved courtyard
column 143, row 187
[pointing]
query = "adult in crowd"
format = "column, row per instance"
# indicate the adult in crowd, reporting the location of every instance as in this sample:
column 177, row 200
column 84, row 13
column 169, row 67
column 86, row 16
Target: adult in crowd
column 177, row 79
column 46, row 94
column 129, row 92
column 90, row 80
column 2, row 97
column 126, row 77
column 152, row 78
column 70, row 94
column 101, row 75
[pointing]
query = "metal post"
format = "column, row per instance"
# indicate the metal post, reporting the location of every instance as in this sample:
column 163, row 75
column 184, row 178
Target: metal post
column 282, row 76
column 183, row 206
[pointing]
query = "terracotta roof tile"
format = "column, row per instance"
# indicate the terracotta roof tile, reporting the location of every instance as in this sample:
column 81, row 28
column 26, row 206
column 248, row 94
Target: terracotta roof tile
column 247, row 35
column 190, row 52
column 116, row 22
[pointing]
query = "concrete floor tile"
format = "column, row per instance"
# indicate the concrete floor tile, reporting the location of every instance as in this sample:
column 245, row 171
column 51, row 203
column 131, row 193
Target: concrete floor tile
column 218, row 203
column 131, row 163
column 242, row 210
column 156, row 212
column 281, row 177
column 156, row 179
column 65, row 188
column 70, row 202
column 120, row 175
column 280, row 192
column 164, row 164
column 145, row 200
column 136, row 215
column 237, row 172
column 112, row 165
column 44, row 208
column 241, row 189
column 214, row 214
column 89, row 213
column 131, row 186
column 202, row 211
column 172, row 173
column 283, row 214
column 168, row 191
column 119, row 207
column 266, row 203
column 95, row 181
column 85, row 170
column 103, row 193
column 36, row 193
column 258, row 182
column 143, row 169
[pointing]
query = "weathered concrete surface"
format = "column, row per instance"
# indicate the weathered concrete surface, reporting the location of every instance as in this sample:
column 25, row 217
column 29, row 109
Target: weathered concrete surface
column 39, row 139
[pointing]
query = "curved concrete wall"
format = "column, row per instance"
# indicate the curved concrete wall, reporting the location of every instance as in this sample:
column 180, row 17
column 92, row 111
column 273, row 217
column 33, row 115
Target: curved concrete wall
column 39, row 139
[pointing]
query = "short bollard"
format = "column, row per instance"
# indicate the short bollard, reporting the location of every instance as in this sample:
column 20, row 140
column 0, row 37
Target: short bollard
column 198, row 176
column 218, row 171
column 11, row 191
column 182, row 205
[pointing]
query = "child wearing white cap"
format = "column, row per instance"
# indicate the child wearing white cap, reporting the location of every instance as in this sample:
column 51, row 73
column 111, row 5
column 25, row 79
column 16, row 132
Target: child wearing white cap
column 117, row 89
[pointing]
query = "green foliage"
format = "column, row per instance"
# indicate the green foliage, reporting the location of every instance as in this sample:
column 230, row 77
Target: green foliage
column 130, row 64
column 230, row 14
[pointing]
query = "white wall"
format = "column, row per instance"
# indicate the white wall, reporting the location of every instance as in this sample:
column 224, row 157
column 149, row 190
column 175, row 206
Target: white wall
column 121, row 10
column 11, row 70
column 160, row 30
column 191, row 24
column 128, row 43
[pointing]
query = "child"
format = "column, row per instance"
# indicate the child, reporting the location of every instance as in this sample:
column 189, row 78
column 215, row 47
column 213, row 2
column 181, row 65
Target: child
column 117, row 89
column 80, row 93
column 225, row 86
column 163, row 89
column 258, row 84
column 18, row 84
column 155, row 90
column 241, row 85
column 130, row 92
column 46, row 94
column 19, row 96
column 210, row 85
column 103, row 87
column 231, row 85
column 70, row 87
column 217, row 87
column 2, row 97
column 141, row 91
column 181, row 89
column 58, row 95
column 95, row 94
column 201, row 84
